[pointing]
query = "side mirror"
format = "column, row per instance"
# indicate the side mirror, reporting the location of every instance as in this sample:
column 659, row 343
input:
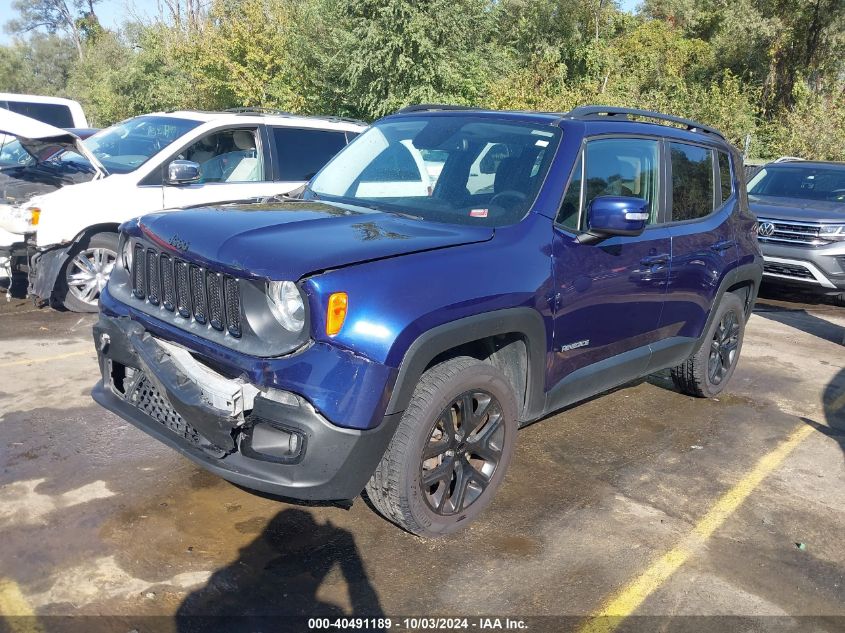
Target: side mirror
column 608, row 216
column 183, row 172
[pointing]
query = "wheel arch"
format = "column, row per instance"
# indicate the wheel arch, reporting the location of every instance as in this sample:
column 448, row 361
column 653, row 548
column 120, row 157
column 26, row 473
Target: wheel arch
column 89, row 231
column 514, row 340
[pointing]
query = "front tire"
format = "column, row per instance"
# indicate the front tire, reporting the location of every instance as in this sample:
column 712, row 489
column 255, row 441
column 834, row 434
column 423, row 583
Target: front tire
column 86, row 272
column 451, row 450
column 706, row 373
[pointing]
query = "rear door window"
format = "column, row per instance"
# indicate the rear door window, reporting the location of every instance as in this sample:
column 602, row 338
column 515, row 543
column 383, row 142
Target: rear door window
column 53, row 114
column 301, row 153
column 692, row 181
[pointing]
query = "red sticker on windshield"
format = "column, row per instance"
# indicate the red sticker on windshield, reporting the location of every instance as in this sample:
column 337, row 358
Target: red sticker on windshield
column 478, row 213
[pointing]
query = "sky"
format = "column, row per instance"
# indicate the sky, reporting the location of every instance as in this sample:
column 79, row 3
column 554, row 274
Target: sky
column 113, row 13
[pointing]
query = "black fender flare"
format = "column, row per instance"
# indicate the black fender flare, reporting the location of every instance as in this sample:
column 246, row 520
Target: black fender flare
column 751, row 272
column 524, row 321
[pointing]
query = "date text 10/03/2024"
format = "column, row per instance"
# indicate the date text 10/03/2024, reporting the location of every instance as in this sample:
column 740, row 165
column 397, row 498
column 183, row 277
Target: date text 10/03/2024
column 417, row 623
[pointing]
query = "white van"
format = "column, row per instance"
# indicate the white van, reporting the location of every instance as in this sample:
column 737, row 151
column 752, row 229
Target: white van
column 54, row 111
column 159, row 162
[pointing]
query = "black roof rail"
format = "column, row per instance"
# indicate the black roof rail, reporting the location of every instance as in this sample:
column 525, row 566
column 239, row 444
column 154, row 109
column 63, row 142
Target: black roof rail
column 276, row 112
column 615, row 113
column 432, row 107
column 258, row 110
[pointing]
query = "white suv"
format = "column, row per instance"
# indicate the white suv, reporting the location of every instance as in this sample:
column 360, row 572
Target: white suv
column 155, row 162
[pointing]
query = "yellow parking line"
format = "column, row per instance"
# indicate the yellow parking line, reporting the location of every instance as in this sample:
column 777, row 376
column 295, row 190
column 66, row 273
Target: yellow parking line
column 47, row 359
column 15, row 610
column 615, row 610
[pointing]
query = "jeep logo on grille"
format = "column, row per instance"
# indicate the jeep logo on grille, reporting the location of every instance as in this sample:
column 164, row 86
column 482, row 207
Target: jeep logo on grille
column 766, row 229
column 178, row 243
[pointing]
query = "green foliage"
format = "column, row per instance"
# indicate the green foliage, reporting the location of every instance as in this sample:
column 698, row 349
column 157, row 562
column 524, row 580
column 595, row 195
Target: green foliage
column 773, row 69
column 241, row 56
column 371, row 57
column 40, row 65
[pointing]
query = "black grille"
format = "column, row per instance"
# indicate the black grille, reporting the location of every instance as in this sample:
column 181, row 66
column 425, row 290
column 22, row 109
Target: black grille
column 233, row 305
column 190, row 290
column 139, row 273
column 787, row 270
column 168, row 288
column 198, row 294
column 183, row 289
column 214, row 284
column 153, row 285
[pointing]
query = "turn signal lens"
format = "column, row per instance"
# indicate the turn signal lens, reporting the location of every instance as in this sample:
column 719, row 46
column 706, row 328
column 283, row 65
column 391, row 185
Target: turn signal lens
column 35, row 215
column 336, row 315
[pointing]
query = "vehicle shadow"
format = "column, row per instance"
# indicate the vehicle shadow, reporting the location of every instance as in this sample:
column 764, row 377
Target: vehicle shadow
column 802, row 320
column 834, row 411
column 274, row 582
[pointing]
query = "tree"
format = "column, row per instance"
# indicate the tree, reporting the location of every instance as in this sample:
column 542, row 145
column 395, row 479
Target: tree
column 375, row 56
column 54, row 16
column 41, row 65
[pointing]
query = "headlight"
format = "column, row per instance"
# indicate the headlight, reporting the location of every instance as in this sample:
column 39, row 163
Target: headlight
column 832, row 232
column 287, row 305
column 21, row 219
column 126, row 254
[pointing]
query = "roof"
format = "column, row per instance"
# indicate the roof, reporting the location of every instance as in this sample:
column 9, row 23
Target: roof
column 586, row 114
column 807, row 164
column 257, row 116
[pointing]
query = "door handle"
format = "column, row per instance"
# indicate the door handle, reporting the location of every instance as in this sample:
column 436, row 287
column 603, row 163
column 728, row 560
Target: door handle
column 655, row 260
column 722, row 245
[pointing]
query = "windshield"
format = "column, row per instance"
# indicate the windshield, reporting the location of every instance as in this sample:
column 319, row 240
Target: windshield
column 13, row 153
column 452, row 169
column 794, row 181
column 126, row 146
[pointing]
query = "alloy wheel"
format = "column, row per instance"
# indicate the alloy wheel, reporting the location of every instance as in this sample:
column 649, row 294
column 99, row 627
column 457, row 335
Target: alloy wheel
column 723, row 347
column 463, row 451
column 88, row 272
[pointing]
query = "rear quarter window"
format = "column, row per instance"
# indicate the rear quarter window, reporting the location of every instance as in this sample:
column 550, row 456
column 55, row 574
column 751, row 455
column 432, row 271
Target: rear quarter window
column 52, row 113
column 692, row 181
column 301, row 153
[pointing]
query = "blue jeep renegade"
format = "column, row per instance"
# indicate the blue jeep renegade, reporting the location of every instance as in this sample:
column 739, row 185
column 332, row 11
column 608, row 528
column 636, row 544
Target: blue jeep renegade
column 452, row 275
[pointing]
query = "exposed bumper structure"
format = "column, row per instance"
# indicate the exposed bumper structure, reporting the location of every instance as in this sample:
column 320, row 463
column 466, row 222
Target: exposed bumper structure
column 263, row 439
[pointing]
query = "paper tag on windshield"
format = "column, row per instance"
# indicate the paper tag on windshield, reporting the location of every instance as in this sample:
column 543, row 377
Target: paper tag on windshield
column 478, row 213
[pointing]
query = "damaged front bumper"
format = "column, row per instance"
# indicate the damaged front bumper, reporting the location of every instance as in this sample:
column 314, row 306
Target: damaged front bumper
column 45, row 266
column 269, row 440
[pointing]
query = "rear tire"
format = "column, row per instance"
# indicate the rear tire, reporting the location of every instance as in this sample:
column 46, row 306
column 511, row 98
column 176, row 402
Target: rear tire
column 443, row 466
column 86, row 272
column 706, row 373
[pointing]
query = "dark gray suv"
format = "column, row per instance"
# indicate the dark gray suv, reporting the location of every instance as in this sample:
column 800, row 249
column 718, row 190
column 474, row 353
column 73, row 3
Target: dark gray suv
column 800, row 207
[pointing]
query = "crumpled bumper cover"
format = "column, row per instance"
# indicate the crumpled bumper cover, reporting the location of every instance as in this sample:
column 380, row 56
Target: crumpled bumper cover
column 44, row 269
column 326, row 462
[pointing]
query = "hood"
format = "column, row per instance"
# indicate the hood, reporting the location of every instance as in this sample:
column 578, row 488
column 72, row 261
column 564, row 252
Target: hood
column 288, row 240
column 35, row 136
column 798, row 209
column 19, row 184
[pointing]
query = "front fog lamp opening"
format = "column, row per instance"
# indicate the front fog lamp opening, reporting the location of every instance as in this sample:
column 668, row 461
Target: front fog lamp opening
column 287, row 305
